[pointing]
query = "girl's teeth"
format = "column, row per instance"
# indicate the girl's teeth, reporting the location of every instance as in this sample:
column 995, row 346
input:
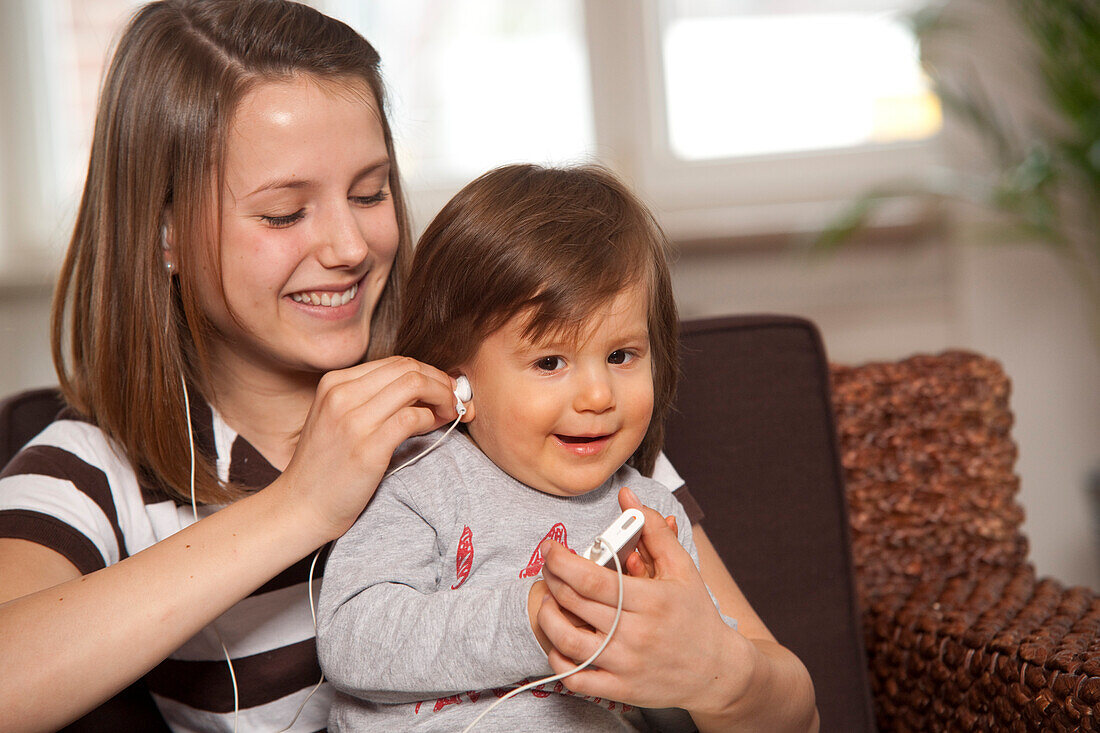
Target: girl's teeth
column 327, row 299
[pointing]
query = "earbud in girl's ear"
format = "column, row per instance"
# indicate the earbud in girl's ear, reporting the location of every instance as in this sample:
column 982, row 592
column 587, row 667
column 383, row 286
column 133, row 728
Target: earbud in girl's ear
column 165, row 248
column 463, row 393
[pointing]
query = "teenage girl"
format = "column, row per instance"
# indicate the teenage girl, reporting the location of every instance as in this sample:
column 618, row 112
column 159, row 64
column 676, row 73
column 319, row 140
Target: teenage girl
column 223, row 326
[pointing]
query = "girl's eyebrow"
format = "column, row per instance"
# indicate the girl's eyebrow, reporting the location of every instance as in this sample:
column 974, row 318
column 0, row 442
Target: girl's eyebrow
column 290, row 182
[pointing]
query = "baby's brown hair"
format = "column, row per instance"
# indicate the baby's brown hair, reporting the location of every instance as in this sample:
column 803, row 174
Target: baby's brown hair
column 553, row 243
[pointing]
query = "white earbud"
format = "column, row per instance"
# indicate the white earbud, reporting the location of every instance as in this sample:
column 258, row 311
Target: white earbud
column 165, row 247
column 463, row 393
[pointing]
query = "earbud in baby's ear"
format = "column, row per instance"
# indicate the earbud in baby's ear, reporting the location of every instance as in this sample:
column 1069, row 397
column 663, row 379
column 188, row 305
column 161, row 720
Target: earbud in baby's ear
column 463, row 393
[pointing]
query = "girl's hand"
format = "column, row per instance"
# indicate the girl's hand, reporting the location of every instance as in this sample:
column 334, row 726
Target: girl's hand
column 359, row 416
column 639, row 565
column 640, row 562
column 671, row 648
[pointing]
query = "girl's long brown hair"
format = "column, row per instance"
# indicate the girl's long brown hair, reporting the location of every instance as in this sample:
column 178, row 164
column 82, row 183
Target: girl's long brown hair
column 553, row 244
column 169, row 95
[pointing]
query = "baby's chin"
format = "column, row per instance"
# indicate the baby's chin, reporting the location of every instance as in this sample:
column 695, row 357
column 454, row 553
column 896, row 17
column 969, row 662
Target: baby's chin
column 568, row 487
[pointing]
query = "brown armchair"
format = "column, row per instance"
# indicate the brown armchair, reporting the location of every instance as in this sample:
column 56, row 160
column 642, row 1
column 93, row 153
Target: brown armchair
column 916, row 488
column 869, row 514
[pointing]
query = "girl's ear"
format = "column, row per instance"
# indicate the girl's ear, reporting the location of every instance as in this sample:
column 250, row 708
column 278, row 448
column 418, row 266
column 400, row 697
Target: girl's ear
column 166, row 240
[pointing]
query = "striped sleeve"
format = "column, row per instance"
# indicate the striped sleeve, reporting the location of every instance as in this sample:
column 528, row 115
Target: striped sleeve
column 58, row 492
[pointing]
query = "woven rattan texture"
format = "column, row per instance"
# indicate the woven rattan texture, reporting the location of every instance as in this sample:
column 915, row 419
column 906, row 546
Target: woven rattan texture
column 960, row 634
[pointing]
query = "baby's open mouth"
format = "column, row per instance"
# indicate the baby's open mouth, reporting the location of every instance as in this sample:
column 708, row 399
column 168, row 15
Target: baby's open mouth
column 578, row 438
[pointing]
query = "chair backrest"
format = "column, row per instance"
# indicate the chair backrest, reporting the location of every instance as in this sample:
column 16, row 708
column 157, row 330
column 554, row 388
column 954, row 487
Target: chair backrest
column 754, row 438
column 23, row 416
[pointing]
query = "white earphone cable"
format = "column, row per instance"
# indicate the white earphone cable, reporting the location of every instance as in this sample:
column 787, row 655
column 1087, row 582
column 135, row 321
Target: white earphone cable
column 195, row 513
column 582, row 665
column 317, row 555
column 313, row 615
column 427, row 450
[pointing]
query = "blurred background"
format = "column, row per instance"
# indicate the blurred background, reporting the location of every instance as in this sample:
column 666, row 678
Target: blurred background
column 762, row 132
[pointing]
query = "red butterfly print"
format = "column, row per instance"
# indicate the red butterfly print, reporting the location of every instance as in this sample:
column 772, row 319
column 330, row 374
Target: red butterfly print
column 464, row 558
column 534, row 565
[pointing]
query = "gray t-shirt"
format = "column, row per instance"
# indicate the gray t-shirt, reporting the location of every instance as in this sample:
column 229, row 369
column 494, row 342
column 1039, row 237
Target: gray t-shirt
column 422, row 621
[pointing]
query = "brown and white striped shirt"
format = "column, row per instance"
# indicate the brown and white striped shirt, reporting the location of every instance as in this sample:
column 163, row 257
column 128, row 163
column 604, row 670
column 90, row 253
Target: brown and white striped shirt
column 72, row 490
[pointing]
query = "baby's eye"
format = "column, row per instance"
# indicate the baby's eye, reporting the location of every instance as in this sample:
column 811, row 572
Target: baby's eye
column 620, row 356
column 282, row 222
column 550, row 363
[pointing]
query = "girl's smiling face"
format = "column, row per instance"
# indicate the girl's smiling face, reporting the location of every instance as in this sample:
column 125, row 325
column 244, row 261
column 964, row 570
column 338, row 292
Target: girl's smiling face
column 308, row 229
column 562, row 415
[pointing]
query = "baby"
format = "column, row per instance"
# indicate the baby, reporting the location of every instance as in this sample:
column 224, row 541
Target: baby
column 549, row 290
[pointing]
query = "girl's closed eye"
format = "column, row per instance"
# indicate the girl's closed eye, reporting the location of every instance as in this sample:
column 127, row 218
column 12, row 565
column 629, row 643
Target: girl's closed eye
column 371, row 200
column 284, row 220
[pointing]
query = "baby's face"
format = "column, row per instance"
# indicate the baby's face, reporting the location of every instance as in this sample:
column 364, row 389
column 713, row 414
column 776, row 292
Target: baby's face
column 562, row 417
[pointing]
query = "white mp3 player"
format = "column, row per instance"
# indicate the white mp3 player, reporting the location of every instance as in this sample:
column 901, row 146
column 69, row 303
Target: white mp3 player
column 622, row 536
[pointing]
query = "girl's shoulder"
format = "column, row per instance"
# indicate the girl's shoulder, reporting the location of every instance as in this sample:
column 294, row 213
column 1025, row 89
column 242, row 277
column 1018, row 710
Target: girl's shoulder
column 71, row 489
column 71, row 447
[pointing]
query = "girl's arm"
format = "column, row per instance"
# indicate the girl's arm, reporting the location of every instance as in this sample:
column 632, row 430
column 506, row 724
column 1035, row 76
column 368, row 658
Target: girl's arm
column 788, row 685
column 672, row 648
column 67, row 643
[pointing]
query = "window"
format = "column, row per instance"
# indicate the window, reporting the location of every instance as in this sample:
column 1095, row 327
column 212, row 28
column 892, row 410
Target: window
column 743, row 116
column 764, row 114
column 480, row 82
column 53, row 53
column 734, row 88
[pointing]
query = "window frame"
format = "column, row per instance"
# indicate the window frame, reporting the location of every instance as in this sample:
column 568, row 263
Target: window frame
column 779, row 193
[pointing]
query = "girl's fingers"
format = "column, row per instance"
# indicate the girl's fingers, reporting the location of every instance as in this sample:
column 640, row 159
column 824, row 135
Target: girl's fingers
column 637, row 567
column 390, row 386
column 644, row 563
column 584, row 578
column 380, row 366
column 628, row 499
column 591, row 681
column 663, row 545
column 598, row 615
column 358, row 418
column 573, row 642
